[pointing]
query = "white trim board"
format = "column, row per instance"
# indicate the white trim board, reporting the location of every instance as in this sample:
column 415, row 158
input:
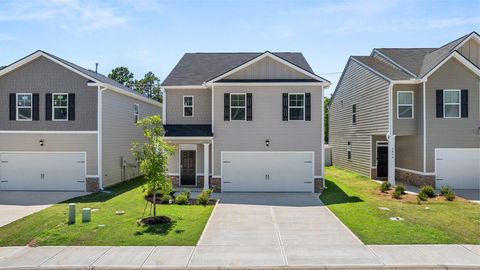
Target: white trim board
column 413, row 171
column 47, row 132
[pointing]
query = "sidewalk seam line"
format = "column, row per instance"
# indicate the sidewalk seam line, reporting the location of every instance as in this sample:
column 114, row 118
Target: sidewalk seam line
column 374, row 254
column 148, row 256
column 191, row 257
column 277, row 231
column 471, row 251
column 101, row 256
column 40, row 264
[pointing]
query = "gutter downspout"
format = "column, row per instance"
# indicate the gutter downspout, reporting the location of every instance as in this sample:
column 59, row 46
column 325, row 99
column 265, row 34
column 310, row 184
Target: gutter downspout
column 100, row 135
column 323, row 139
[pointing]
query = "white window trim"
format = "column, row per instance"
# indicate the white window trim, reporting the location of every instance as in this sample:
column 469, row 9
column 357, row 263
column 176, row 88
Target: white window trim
column 349, row 150
column 244, row 107
column 17, row 107
column 291, row 94
column 136, row 114
column 459, row 103
column 53, row 107
column 354, row 113
column 193, row 106
column 412, row 105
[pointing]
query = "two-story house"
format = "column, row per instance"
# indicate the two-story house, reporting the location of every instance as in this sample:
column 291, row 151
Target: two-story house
column 66, row 128
column 411, row 114
column 245, row 122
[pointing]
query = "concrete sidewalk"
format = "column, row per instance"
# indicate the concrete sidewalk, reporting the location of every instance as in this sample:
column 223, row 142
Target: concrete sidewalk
column 389, row 257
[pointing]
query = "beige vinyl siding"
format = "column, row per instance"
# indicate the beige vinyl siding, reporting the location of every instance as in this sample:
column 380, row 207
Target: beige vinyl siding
column 471, row 50
column 119, row 131
column 267, row 124
column 54, row 143
column 44, row 76
column 406, row 126
column 457, row 132
column 174, row 162
column 409, row 152
column 265, row 69
column 202, row 99
column 369, row 92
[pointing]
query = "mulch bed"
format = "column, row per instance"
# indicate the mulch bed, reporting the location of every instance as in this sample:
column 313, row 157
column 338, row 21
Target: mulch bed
column 154, row 220
column 191, row 201
column 411, row 197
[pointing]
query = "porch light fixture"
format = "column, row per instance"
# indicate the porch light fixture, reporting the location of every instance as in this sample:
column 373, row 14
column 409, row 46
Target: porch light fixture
column 267, row 142
column 41, row 142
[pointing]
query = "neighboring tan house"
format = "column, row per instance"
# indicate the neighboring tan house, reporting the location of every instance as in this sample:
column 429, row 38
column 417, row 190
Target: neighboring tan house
column 411, row 115
column 63, row 127
column 252, row 121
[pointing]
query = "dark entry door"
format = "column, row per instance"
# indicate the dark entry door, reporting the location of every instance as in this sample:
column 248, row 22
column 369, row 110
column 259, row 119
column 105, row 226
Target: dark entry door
column 382, row 161
column 187, row 168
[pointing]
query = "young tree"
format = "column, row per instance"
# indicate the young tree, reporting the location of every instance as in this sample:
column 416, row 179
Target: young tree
column 153, row 155
column 326, row 104
column 122, row 75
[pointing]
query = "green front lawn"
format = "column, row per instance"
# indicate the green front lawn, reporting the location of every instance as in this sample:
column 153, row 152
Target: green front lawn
column 355, row 200
column 49, row 228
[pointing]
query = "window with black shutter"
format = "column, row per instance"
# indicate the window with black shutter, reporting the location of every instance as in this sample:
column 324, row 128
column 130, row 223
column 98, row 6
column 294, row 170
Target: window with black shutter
column 464, row 106
column 36, row 107
column 285, row 106
column 48, row 107
column 249, row 107
column 71, row 107
column 226, row 106
column 308, row 114
column 13, row 106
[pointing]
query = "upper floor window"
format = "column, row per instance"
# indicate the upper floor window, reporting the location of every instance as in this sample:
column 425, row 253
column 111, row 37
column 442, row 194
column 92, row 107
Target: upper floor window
column 60, row 107
column 405, row 104
column 187, row 106
column 24, row 107
column 354, row 114
column 349, row 150
column 238, row 106
column 451, row 103
column 296, row 106
column 136, row 112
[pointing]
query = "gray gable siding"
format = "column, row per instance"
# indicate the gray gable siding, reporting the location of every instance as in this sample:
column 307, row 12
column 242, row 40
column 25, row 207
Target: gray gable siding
column 118, row 132
column 452, row 133
column 370, row 94
column 44, row 76
column 471, row 50
column 202, row 99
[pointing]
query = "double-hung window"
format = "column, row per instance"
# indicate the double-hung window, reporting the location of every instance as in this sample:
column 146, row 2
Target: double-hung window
column 238, row 106
column 60, row 107
column 296, row 106
column 354, row 114
column 405, row 104
column 24, row 107
column 451, row 103
column 136, row 112
column 349, row 150
column 187, row 106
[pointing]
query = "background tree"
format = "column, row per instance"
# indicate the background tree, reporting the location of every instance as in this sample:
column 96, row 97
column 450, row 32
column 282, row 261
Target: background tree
column 153, row 155
column 149, row 86
column 122, row 75
column 326, row 104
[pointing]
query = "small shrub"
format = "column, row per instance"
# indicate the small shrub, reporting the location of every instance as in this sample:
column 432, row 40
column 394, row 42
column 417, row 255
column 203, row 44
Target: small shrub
column 397, row 194
column 419, row 201
column 400, row 189
column 422, row 196
column 428, row 190
column 204, row 197
column 182, row 199
column 450, row 196
column 445, row 190
column 385, row 186
column 186, row 192
column 166, row 198
column 166, row 188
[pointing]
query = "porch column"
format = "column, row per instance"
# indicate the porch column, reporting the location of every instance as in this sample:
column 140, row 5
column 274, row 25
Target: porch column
column 391, row 159
column 206, row 161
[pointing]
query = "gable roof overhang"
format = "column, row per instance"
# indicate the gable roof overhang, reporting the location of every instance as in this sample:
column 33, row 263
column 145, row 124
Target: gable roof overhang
column 458, row 56
column 317, row 80
column 92, row 80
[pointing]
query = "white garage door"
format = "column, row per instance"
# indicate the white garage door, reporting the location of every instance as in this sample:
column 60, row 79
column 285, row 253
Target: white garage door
column 457, row 168
column 42, row 171
column 267, row 171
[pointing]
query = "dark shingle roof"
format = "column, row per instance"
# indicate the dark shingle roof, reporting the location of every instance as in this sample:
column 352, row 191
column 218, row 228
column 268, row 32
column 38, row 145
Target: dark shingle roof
column 197, row 68
column 188, row 130
column 411, row 59
column 383, row 68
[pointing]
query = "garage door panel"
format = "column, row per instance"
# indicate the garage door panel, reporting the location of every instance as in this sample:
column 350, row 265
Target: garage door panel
column 267, row 171
column 42, row 171
column 457, row 168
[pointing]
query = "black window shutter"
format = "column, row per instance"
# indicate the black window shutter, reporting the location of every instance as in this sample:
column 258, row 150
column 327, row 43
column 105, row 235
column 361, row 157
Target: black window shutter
column 36, row 107
column 307, row 107
column 464, row 103
column 285, row 106
column 226, row 106
column 439, row 103
column 249, row 106
column 71, row 107
column 48, row 107
column 13, row 106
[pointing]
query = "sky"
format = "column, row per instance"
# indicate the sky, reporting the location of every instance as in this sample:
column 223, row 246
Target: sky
column 149, row 35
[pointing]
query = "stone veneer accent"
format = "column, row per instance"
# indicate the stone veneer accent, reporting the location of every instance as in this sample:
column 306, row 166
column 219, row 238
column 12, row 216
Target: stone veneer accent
column 92, row 185
column 216, row 184
column 414, row 179
column 373, row 173
column 176, row 183
column 318, row 185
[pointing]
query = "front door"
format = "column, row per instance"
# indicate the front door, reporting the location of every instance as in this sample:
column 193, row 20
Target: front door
column 382, row 161
column 187, row 168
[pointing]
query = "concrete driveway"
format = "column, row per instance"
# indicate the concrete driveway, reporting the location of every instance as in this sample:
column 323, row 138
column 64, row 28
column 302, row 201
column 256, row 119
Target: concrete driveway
column 18, row 204
column 275, row 229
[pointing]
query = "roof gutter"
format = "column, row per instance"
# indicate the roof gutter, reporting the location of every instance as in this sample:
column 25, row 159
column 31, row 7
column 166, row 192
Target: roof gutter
column 126, row 93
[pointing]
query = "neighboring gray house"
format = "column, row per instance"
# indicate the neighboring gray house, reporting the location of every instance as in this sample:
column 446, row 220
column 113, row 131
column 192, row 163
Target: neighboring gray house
column 250, row 121
column 411, row 115
column 63, row 127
